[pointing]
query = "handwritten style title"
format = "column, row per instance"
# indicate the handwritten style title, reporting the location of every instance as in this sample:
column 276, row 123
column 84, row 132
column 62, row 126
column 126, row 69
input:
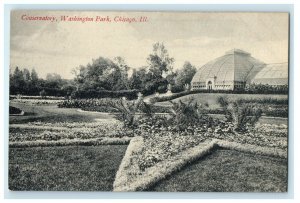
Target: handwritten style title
column 83, row 19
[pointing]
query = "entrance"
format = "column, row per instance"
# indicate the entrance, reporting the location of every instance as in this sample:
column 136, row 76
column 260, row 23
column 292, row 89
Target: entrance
column 209, row 85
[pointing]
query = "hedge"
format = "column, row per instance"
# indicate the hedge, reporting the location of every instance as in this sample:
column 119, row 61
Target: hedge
column 84, row 94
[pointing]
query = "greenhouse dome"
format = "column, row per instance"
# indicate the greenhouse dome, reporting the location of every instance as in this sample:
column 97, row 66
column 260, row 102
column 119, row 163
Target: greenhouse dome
column 232, row 71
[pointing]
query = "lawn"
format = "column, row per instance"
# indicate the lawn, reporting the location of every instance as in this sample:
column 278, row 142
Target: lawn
column 53, row 114
column 229, row 171
column 72, row 168
column 211, row 98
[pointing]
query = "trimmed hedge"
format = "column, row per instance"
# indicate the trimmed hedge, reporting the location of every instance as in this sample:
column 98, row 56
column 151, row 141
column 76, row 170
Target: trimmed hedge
column 86, row 94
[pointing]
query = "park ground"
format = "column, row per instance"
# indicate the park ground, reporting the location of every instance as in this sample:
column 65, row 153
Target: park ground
column 93, row 167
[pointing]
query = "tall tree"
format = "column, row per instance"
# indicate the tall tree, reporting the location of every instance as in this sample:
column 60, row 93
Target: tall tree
column 17, row 82
column 159, row 61
column 185, row 75
column 123, row 83
column 34, row 76
column 26, row 75
column 160, row 64
column 102, row 73
column 138, row 78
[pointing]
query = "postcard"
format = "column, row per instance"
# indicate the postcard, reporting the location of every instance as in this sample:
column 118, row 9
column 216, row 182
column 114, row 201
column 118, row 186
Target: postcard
column 148, row 101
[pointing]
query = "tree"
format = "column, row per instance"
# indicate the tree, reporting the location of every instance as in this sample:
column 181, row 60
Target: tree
column 102, row 74
column 123, row 83
column 185, row 75
column 138, row 79
column 17, row 82
column 26, row 75
column 34, row 76
column 159, row 64
column 159, row 61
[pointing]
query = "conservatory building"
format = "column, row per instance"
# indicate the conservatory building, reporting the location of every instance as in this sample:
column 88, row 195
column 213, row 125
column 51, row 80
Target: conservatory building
column 236, row 69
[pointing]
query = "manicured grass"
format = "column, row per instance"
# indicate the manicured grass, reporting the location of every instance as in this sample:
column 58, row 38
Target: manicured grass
column 229, row 171
column 53, row 114
column 211, row 98
column 72, row 168
column 262, row 120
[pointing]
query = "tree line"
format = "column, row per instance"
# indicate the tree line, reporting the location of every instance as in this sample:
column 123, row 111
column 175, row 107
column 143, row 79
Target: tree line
column 104, row 74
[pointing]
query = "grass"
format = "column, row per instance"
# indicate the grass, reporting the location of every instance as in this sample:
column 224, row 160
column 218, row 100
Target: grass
column 211, row 98
column 72, row 168
column 229, row 171
column 262, row 120
column 53, row 114
column 131, row 178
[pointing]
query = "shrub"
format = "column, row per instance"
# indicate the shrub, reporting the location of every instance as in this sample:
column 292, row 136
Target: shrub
column 43, row 94
column 128, row 110
column 14, row 110
column 187, row 114
column 242, row 115
column 129, row 94
column 224, row 103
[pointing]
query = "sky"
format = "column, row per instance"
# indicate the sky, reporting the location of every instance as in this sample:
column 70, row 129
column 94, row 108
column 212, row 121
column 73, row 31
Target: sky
column 60, row 46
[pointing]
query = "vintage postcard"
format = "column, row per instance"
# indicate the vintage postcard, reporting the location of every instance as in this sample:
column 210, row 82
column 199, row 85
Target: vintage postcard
column 148, row 101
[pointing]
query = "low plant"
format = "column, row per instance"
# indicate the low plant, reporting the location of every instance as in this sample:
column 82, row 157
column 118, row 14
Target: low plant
column 240, row 114
column 186, row 114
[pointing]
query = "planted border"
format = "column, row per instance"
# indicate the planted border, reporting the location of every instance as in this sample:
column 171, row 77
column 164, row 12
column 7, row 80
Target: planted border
column 68, row 142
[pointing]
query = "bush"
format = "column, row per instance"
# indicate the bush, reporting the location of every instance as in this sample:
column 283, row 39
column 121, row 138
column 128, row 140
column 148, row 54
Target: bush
column 84, row 94
column 127, row 110
column 242, row 115
column 266, row 89
column 43, row 94
column 14, row 110
column 187, row 114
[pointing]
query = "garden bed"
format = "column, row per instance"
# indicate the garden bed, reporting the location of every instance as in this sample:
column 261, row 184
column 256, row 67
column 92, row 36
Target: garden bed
column 63, row 131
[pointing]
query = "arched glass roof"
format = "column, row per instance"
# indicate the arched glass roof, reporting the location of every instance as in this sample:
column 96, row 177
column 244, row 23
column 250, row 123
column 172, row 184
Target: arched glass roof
column 273, row 74
column 235, row 65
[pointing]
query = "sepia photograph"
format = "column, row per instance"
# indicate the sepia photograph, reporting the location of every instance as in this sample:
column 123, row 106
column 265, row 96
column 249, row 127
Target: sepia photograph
column 130, row 101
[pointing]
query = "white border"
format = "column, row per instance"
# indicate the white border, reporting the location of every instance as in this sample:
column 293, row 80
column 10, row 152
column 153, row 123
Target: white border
column 243, row 4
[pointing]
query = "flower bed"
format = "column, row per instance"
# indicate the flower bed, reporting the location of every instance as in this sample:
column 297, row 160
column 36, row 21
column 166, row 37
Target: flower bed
column 39, row 101
column 48, row 131
column 157, row 147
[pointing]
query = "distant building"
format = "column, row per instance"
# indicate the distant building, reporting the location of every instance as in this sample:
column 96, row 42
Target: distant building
column 236, row 69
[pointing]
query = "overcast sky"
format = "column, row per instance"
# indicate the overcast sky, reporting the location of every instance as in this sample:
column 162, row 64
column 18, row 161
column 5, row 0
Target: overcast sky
column 58, row 47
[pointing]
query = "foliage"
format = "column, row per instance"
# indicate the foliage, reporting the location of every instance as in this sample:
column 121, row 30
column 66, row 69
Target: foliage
column 24, row 82
column 185, row 75
column 185, row 114
column 40, row 131
column 266, row 89
column 102, row 74
column 159, row 61
column 129, row 109
column 91, row 93
column 240, row 114
column 43, row 94
column 14, row 110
